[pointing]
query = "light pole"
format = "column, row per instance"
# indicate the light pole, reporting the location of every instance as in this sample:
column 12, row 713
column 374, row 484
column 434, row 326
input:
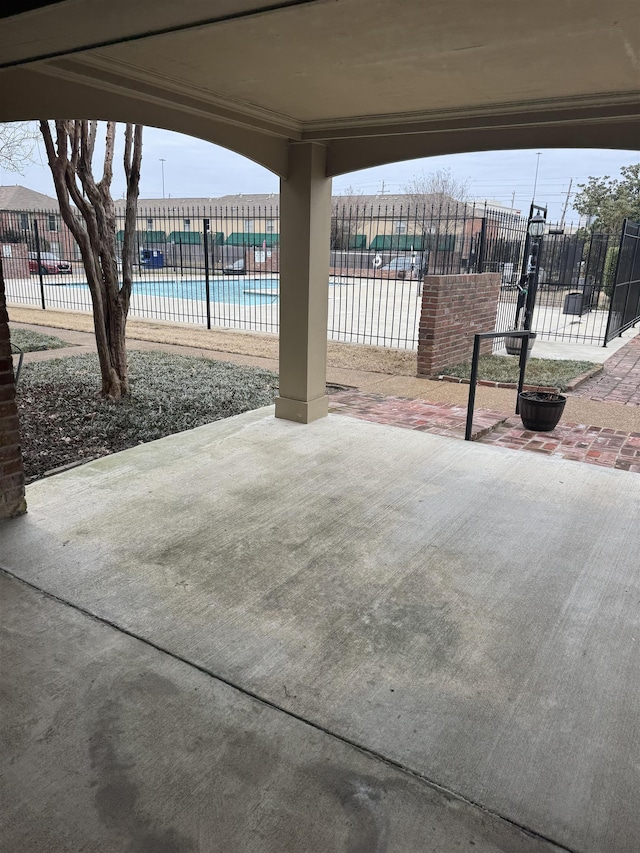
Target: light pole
column 162, row 161
column 536, row 232
column 528, row 285
column 535, row 180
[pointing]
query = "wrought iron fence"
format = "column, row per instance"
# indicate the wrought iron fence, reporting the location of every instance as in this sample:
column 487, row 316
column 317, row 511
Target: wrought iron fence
column 625, row 287
column 572, row 302
column 220, row 266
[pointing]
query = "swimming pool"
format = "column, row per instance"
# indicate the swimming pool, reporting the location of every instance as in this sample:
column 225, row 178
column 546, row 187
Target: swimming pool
column 234, row 291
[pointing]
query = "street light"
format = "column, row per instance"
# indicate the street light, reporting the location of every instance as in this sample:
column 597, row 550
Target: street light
column 162, row 161
column 528, row 283
column 536, row 226
column 535, row 229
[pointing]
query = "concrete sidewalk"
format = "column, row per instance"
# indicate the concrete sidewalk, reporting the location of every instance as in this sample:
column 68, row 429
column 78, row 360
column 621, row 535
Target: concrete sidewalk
column 613, row 415
column 257, row 636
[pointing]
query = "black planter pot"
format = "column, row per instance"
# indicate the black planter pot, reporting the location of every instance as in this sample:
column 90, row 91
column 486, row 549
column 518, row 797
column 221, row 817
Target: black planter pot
column 540, row 410
column 513, row 345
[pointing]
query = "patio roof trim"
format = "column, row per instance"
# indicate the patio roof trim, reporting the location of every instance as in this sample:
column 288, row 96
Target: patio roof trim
column 600, row 107
column 118, row 77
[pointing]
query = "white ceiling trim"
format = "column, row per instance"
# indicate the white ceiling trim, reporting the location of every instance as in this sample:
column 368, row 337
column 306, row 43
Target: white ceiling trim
column 601, row 107
column 119, row 78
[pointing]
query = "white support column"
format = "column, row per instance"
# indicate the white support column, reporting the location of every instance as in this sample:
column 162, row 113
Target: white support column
column 305, row 230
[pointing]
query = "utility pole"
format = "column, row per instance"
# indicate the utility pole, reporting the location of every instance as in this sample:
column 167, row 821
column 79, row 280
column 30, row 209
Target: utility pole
column 382, row 189
column 163, row 161
column 566, row 204
column 513, row 199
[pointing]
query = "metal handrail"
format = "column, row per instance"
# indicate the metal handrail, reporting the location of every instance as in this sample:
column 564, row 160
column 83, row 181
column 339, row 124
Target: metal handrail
column 473, row 379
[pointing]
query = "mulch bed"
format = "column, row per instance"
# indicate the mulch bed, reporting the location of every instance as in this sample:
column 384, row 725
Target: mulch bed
column 63, row 422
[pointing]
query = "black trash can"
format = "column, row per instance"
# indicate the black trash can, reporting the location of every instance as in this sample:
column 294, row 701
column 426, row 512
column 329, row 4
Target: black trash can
column 573, row 304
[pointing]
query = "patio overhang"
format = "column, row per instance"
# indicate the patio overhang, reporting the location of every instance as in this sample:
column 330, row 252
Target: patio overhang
column 354, row 83
column 372, row 84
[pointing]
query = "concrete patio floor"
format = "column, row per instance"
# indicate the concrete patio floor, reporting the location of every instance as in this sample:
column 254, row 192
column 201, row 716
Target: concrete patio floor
column 257, row 636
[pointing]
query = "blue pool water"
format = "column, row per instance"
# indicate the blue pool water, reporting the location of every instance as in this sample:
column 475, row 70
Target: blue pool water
column 232, row 290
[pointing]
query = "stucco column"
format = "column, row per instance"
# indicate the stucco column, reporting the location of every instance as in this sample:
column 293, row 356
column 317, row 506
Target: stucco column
column 305, row 230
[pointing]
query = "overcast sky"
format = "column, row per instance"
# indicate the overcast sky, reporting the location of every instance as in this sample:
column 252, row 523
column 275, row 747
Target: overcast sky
column 197, row 169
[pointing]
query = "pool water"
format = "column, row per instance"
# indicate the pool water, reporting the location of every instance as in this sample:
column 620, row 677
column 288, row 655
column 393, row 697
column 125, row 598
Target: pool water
column 232, row 290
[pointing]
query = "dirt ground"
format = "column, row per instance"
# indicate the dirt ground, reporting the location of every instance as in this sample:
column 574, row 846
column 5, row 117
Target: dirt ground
column 348, row 356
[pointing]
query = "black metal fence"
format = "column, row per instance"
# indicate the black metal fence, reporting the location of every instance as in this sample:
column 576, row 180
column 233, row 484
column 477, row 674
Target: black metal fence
column 219, row 266
column 625, row 291
column 572, row 301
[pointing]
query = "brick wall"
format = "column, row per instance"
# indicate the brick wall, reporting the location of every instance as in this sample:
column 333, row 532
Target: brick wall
column 12, row 496
column 454, row 309
column 15, row 260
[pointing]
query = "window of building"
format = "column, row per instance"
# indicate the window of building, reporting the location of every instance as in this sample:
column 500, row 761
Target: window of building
column 187, row 224
column 149, row 223
column 248, row 226
column 53, row 222
column 24, row 221
column 400, row 226
column 270, row 227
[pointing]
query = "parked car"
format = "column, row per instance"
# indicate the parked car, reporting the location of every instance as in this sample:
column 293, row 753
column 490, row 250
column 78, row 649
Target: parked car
column 405, row 266
column 236, row 268
column 50, row 264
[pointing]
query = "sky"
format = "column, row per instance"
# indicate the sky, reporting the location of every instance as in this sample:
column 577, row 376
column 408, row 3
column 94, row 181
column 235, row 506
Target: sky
column 197, row 169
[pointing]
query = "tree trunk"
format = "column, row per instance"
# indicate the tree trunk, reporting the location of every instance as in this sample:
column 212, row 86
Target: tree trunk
column 71, row 159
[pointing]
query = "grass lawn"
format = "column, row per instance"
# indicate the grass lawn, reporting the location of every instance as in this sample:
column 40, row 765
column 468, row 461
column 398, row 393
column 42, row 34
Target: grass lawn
column 29, row 341
column 540, row 371
column 63, row 421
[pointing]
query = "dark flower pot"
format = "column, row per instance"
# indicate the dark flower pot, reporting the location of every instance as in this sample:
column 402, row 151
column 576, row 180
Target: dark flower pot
column 513, row 345
column 541, row 410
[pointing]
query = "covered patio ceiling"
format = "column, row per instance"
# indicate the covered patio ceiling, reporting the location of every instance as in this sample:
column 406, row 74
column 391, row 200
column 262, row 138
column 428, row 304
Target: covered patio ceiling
column 375, row 80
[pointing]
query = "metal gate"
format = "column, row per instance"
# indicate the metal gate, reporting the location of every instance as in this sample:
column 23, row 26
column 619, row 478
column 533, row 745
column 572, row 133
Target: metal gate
column 624, row 311
column 571, row 303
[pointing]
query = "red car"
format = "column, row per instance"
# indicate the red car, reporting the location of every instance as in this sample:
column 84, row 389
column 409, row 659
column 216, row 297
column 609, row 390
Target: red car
column 50, row 264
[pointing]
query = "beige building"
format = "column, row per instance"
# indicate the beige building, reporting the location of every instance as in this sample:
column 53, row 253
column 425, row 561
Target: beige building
column 366, row 222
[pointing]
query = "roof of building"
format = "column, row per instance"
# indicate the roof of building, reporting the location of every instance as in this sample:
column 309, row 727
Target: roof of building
column 22, row 198
column 178, row 203
column 380, row 202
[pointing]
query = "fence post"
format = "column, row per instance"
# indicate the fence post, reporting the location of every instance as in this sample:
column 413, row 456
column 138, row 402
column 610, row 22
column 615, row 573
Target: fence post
column 205, row 226
column 615, row 284
column 483, row 244
column 37, row 236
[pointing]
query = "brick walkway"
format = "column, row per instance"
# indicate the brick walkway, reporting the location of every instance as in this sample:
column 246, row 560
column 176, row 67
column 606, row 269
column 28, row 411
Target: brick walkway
column 619, row 381
column 438, row 418
column 593, row 445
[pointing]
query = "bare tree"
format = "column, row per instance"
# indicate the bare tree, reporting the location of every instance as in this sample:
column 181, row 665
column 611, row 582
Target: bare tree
column 436, row 200
column 93, row 224
column 17, row 145
column 437, row 190
column 346, row 212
